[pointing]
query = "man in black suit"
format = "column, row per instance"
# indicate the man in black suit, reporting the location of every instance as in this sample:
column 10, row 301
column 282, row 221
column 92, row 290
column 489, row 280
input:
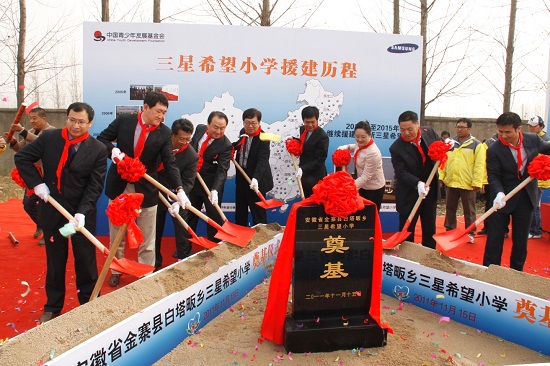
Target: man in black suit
column 74, row 165
column 146, row 137
column 214, row 149
column 253, row 156
column 508, row 159
column 186, row 160
column 412, row 166
column 314, row 150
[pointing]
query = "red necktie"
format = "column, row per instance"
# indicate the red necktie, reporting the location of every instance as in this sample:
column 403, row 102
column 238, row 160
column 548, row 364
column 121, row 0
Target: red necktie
column 201, row 151
column 517, row 148
column 141, row 140
column 361, row 148
column 304, row 135
column 416, row 141
column 65, row 153
column 175, row 152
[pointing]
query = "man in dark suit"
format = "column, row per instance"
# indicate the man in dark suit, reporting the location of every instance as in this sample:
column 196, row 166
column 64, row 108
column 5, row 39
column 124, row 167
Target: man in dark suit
column 214, row 149
column 146, row 137
column 253, row 156
column 508, row 159
column 314, row 150
column 74, row 165
column 412, row 166
column 186, row 160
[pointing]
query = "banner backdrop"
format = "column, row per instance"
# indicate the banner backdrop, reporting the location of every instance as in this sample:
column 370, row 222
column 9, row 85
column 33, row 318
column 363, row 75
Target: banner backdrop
column 349, row 76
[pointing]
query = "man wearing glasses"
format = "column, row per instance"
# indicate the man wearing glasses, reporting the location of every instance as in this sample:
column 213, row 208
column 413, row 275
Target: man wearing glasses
column 186, row 159
column 253, row 156
column 142, row 136
column 463, row 175
column 74, row 165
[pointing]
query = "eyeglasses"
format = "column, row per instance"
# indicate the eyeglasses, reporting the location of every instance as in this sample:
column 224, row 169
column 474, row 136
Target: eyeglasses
column 79, row 122
column 250, row 123
column 461, row 127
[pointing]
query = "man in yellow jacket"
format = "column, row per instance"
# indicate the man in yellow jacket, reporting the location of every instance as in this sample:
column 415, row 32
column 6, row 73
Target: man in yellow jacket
column 463, row 175
column 536, row 125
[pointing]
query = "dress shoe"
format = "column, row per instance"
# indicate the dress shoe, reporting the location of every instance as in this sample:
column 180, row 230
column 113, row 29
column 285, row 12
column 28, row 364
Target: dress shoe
column 114, row 281
column 38, row 234
column 47, row 316
column 482, row 232
column 41, row 242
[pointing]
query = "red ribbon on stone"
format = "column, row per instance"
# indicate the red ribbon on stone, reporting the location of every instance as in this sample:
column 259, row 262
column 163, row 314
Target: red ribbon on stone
column 131, row 169
column 20, row 182
column 539, row 168
column 438, row 152
column 341, row 157
column 124, row 210
column 293, row 146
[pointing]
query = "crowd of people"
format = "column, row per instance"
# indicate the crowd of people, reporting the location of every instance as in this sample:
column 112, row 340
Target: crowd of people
column 69, row 165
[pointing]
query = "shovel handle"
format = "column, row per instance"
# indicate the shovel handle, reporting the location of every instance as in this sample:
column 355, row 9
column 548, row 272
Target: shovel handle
column 205, row 187
column 178, row 217
column 421, row 197
column 16, row 120
column 247, row 178
column 299, row 178
column 209, row 221
column 83, row 229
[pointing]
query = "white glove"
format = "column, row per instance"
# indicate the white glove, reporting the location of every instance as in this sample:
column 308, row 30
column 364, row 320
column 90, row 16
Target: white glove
column 42, row 191
column 254, row 184
column 423, row 189
column 214, row 197
column 499, row 201
column 451, row 142
column 343, row 147
column 299, row 173
column 117, row 155
column 182, row 198
column 80, row 220
column 174, row 209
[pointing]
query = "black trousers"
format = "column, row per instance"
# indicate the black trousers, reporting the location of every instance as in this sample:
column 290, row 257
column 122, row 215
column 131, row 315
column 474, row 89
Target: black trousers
column 31, row 206
column 246, row 198
column 427, row 213
column 183, row 246
column 497, row 225
column 375, row 196
column 198, row 197
column 85, row 265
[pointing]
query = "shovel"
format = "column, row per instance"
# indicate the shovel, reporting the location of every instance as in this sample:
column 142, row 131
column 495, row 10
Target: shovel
column 236, row 230
column 120, row 265
column 299, row 178
column 118, row 239
column 221, row 234
column 266, row 136
column 203, row 242
column 399, row 237
column 453, row 238
column 266, row 204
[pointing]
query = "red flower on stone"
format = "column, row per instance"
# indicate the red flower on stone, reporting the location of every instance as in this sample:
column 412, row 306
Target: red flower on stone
column 338, row 194
column 341, row 157
column 131, row 169
column 294, row 146
column 539, row 168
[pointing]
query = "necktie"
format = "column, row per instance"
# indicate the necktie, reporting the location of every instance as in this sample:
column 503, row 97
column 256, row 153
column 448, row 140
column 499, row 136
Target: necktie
column 416, row 141
column 517, row 148
column 175, row 152
column 65, row 153
column 143, row 134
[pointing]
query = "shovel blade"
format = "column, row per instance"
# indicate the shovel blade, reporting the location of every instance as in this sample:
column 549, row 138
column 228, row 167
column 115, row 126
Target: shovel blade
column 132, row 268
column 203, row 242
column 395, row 239
column 451, row 239
column 240, row 241
column 271, row 203
column 239, row 231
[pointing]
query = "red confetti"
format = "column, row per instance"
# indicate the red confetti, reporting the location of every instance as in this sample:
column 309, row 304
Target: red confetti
column 21, row 86
column 31, row 106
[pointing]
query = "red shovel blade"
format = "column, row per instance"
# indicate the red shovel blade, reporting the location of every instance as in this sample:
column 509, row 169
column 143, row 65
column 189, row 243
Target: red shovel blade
column 203, row 242
column 451, row 239
column 270, row 203
column 395, row 239
column 243, row 234
column 240, row 241
column 130, row 267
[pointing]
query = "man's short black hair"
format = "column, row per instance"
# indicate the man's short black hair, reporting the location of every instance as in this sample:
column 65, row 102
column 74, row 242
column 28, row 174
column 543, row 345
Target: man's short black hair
column 509, row 118
column 408, row 116
column 154, row 97
column 251, row 113
column 41, row 112
column 79, row 107
column 182, row 124
column 219, row 115
column 465, row 120
column 310, row 111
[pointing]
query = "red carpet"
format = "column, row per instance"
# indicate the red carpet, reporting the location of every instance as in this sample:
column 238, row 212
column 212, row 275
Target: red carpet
column 27, row 262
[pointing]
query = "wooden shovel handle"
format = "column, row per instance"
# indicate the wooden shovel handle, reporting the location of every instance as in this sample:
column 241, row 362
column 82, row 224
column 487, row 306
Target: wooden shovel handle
column 205, row 187
column 421, row 197
column 299, row 178
column 247, row 178
column 154, row 182
column 178, row 216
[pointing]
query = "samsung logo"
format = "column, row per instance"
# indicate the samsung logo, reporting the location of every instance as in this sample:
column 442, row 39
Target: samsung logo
column 403, row 48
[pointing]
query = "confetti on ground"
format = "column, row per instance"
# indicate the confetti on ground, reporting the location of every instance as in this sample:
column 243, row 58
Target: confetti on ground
column 444, row 319
column 25, row 283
